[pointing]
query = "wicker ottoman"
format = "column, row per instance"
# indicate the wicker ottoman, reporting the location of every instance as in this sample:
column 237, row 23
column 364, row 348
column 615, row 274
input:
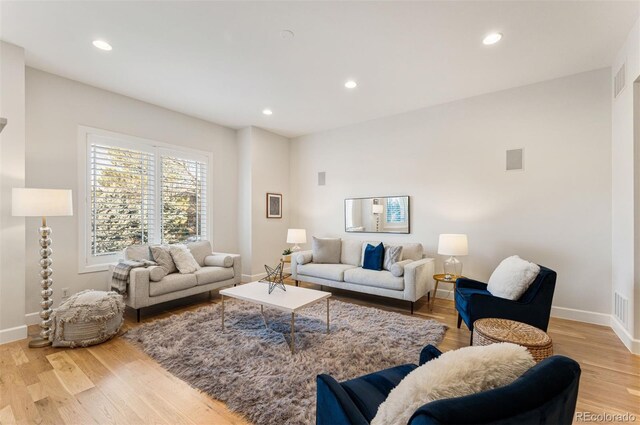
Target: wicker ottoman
column 490, row 331
column 87, row 318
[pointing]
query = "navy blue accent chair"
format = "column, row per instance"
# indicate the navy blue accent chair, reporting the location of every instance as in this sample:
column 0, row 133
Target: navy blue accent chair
column 545, row 394
column 474, row 302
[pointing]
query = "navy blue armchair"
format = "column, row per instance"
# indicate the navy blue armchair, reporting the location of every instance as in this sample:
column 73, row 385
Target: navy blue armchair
column 474, row 302
column 545, row 394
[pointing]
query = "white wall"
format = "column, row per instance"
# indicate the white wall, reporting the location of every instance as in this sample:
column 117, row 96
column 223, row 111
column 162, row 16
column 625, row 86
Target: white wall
column 12, row 174
column 623, row 208
column 55, row 108
column 263, row 168
column 451, row 158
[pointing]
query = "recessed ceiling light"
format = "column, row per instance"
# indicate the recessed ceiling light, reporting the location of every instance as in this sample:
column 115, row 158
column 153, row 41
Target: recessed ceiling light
column 102, row 45
column 351, row 84
column 492, row 38
column 267, row 111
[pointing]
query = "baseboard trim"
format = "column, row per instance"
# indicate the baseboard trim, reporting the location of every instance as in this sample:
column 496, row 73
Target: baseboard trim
column 623, row 334
column 32, row 318
column 246, row 278
column 13, row 334
column 581, row 315
column 444, row 293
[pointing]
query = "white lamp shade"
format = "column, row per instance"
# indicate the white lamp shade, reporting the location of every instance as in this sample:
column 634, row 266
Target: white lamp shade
column 452, row 244
column 296, row 236
column 41, row 202
column 377, row 209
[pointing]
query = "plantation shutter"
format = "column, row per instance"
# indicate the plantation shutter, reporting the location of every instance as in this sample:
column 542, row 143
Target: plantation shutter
column 122, row 183
column 183, row 198
column 396, row 210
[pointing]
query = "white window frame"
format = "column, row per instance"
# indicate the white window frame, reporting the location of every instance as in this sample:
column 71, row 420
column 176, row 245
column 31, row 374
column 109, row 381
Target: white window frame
column 87, row 263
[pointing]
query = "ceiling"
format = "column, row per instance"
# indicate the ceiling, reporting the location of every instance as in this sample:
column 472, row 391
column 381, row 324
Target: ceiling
column 227, row 61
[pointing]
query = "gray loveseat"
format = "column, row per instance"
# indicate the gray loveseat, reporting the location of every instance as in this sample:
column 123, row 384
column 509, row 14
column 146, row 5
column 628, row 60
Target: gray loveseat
column 416, row 282
column 143, row 291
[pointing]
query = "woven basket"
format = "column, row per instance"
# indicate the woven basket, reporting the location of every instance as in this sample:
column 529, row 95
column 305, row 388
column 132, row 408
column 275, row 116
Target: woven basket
column 490, row 331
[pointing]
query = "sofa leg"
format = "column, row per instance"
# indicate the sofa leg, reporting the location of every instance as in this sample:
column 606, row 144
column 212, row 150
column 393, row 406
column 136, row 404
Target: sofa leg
column 428, row 297
column 411, row 307
column 459, row 320
column 321, row 288
column 297, row 283
column 138, row 314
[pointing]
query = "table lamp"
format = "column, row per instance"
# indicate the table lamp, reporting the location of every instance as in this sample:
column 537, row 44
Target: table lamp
column 43, row 203
column 453, row 245
column 296, row 236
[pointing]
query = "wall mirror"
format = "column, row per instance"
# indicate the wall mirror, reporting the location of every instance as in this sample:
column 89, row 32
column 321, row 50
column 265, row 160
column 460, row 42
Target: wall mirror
column 384, row 214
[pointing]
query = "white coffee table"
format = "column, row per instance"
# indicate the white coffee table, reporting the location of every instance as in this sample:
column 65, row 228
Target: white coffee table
column 291, row 300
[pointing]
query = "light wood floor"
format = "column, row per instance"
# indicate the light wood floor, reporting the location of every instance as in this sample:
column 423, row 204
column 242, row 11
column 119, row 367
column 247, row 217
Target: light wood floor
column 116, row 383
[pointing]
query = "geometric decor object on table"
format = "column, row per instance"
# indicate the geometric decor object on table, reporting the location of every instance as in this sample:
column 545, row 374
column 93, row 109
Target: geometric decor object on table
column 275, row 277
column 87, row 318
column 491, row 331
column 250, row 355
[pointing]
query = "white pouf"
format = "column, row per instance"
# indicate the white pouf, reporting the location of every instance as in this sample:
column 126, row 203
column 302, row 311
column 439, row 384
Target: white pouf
column 87, row 318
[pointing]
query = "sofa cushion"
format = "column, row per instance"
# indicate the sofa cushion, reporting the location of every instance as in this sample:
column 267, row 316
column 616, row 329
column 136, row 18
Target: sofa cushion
column 325, row 271
column 369, row 391
column 398, row 268
column 412, row 251
column 326, row 251
column 212, row 274
column 351, row 252
column 512, row 278
column 157, row 273
column 171, row 283
column 162, row 257
column 303, row 257
column 183, row 258
column 373, row 257
column 218, row 260
column 364, row 247
column 200, row 250
column 392, row 254
column 456, row 373
column 137, row 253
column 374, row 278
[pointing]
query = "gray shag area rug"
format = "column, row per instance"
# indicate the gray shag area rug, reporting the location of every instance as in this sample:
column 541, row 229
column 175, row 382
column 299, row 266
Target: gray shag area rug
column 249, row 365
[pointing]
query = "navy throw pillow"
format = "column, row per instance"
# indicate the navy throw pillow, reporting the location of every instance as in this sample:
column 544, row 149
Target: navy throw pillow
column 373, row 257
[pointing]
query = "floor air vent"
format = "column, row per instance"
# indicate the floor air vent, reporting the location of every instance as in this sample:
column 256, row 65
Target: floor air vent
column 621, row 308
column 619, row 81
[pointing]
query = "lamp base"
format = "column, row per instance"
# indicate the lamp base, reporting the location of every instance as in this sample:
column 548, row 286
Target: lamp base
column 39, row 342
column 295, row 248
column 452, row 266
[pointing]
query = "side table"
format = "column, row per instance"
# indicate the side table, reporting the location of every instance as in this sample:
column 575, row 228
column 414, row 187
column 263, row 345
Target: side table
column 443, row 278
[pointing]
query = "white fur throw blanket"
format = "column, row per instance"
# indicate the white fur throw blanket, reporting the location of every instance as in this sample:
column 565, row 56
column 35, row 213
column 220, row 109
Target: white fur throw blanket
column 456, row 373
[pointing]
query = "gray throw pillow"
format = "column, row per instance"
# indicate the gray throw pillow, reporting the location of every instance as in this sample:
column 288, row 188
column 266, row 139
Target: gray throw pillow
column 162, row 257
column 326, row 251
column 392, row 254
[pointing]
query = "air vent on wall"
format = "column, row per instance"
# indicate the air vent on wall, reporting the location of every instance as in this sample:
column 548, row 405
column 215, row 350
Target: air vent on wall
column 620, row 308
column 619, row 81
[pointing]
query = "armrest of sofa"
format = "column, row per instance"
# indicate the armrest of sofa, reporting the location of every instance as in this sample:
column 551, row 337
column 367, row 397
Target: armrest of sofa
column 464, row 282
column 305, row 255
column 429, row 353
column 418, row 279
column 333, row 404
column 138, row 292
column 237, row 265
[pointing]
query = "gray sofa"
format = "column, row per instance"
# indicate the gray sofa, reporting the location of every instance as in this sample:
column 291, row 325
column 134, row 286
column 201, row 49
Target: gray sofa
column 143, row 291
column 416, row 282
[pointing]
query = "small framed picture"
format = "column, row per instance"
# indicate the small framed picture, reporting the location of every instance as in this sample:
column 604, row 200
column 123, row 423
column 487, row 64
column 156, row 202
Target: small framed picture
column 274, row 205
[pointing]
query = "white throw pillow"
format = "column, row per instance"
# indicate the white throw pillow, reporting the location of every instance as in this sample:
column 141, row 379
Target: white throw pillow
column 455, row 373
column 398, row 268
column 183, row 258
column 304, row 258
column 218, row 260
column 512, row 278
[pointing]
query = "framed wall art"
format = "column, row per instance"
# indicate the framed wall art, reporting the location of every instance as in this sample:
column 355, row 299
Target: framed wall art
column 274, row 205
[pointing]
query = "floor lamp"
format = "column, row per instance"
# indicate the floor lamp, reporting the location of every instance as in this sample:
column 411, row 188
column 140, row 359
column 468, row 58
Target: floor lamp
column 43, row 203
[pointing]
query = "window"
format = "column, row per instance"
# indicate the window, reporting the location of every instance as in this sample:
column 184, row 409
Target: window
column 138, row 191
